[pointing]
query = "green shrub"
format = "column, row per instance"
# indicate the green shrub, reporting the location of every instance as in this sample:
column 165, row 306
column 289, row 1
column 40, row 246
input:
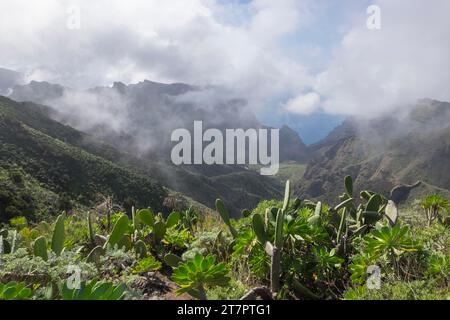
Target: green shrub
column 14, row 291
column 195, row 276
column 179, row 238
column 18, row 222
column 233, row 291
column 400, row 290
column 146, row 265
column 93, row 291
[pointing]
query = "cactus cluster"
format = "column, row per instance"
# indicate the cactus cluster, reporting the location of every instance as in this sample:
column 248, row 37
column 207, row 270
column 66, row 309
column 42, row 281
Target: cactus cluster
column 40, row 248
column 358, row 219
column 347, row 220
column 294, row 248
column 129, row 235
column 14, row 291
column 260, row 227
column 224, row 214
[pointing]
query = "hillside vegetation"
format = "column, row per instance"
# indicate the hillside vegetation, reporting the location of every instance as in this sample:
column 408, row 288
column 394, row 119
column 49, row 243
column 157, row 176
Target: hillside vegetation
column 202, row 183
column 330, row 237
column 43, row 173
column 384, row 152
column 363, row 248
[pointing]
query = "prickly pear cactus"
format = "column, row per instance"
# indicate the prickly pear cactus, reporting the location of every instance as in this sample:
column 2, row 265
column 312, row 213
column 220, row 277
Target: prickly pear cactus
column 348, row 182
column 225, row 216
column 40, row 248
column 119, row 230
column 146, row 216
column 259, row 228
column 172, row 260
column 58, row 235
column 95, row 254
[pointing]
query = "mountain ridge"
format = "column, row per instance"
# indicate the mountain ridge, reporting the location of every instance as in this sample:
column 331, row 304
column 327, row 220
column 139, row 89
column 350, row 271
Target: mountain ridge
column 378, row 153
column 154, row 109
column 383, row 152
column 73, row 175
column 207, row 188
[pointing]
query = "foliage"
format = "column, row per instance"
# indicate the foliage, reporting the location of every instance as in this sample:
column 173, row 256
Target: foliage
column 324, row 247
column 93, row 290
column 146, row 265
column 393, row 241
column 14, row 291
column 438, row 265
column 213, row 242
column 195, row 275
column 295, row 248
column 20, row 266
column 359, row 266
column 18, row 222
column 189, row 218
column 47, row 167
column 433, row 205
column 233, row 291
column 400, row 290
column 179, row 238
column 220, row 206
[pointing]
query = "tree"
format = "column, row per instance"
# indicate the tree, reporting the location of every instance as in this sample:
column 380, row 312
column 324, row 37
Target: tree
column 432, row 205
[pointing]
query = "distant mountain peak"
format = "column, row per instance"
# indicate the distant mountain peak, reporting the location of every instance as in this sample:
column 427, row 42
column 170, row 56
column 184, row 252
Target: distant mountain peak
column 149, row 112
column 382, row 152
column 9, row 79
column 120, row 87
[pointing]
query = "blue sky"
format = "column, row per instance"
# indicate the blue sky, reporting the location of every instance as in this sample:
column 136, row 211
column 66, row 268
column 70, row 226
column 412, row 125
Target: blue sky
column 332, row 19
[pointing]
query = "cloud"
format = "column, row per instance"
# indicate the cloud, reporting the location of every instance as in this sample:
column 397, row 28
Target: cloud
column 87, row 110
column 304, row 105
column 379, row 71
column 247, row 47
column 193, row 41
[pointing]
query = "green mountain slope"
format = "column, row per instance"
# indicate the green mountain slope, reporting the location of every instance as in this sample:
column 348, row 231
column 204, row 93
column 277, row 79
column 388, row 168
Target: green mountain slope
column 43, row 169
column 77, row 165
column 384, row 152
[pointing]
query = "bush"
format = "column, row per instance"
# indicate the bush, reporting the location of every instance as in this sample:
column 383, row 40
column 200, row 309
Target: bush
column 18, row 222
column 400, row 290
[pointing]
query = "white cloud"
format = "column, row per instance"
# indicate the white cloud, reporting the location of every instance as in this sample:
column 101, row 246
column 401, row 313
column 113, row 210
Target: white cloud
column 304, row 104
column 240, row 46
column 376, row 71
column 190, row 41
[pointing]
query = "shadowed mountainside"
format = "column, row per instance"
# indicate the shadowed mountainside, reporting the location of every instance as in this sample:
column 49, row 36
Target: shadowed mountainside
column 63, row 161
column 141, row 117
column 381, row 153
column 44, row 169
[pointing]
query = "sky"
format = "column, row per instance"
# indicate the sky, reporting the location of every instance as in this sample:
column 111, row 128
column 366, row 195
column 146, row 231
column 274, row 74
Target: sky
column 301, row 62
